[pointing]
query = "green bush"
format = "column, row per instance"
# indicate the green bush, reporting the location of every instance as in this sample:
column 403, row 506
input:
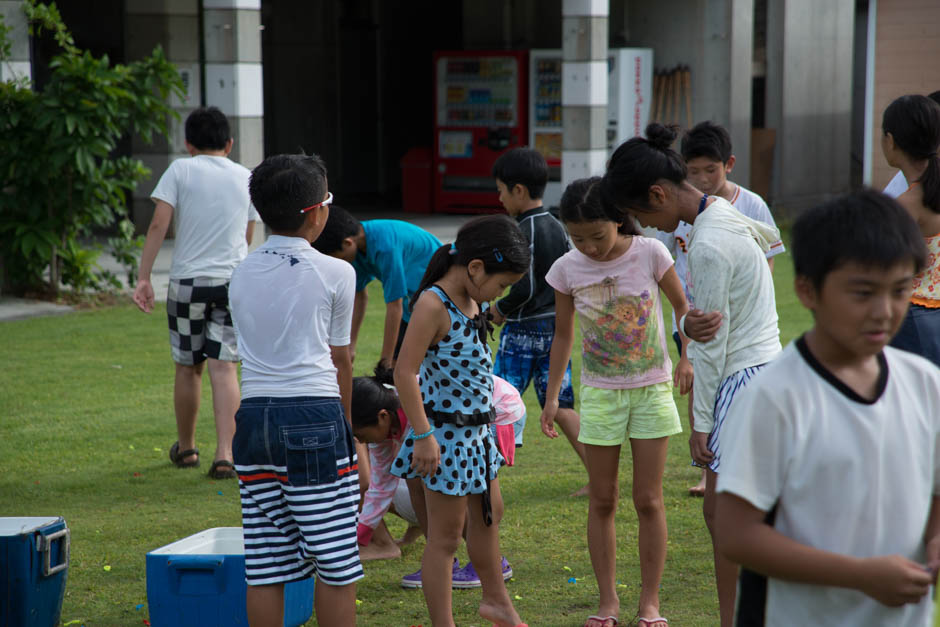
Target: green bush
column 59, row 177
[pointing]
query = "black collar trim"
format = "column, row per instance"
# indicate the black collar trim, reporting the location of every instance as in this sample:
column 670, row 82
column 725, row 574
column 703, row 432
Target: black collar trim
column 837, row 383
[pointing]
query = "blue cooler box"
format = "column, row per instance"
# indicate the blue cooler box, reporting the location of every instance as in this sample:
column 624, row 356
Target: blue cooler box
column 34, row 562
column 199, row 581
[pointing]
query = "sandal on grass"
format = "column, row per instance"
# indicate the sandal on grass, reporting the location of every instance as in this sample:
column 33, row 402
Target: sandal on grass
column 659, row 621
column 178, row 457
column 601, row 621
column 222, row 469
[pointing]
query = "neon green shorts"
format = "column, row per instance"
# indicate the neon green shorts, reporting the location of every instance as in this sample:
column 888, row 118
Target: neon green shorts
column 609, row 417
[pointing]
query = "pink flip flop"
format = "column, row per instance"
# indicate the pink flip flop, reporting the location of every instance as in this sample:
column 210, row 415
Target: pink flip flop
column 652, row 622
column 601, row 621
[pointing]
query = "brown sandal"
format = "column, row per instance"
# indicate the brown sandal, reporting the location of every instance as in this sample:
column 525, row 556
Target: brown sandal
column 222, row 469
column 178, row 457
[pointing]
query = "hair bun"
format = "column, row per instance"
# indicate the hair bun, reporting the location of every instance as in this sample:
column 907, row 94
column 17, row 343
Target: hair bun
column 661, row 137
column 384, row 373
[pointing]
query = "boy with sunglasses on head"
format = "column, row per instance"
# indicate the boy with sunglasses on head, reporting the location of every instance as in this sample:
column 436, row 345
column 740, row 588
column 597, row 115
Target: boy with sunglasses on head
column 829, row 491
column 294, row 449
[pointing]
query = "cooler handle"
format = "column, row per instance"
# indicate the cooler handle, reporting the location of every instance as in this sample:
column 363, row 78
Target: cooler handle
column 45, row 547
column 196, row 563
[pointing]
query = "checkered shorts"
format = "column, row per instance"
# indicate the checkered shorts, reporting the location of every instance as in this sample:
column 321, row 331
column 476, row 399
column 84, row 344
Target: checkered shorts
column 200, row 321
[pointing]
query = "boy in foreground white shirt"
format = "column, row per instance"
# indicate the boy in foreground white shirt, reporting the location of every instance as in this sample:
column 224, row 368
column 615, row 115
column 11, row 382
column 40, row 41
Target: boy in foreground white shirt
column 830, row 477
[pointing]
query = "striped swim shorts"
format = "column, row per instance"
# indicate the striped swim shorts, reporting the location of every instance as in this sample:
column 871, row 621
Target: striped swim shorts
column 299, row 484
column 727, row 389
column 200, row 321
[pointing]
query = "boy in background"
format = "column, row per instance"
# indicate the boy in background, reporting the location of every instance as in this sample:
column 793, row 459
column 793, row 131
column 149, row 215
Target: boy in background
column 207, row 198
column 830, row 478
column 708, row 156
column 528, row 310
column 294, row 449
column 393, row 251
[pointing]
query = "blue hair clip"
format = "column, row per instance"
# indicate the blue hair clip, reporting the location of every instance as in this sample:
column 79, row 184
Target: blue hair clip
column 498, row 255
column 453, row 249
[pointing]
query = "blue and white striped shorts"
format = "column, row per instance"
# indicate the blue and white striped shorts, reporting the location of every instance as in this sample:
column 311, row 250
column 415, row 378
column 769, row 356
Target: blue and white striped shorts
column 730, row 386
column 299, row 483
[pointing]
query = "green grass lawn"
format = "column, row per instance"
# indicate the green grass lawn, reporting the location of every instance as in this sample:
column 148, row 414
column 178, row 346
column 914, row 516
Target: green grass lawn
column 87, row 419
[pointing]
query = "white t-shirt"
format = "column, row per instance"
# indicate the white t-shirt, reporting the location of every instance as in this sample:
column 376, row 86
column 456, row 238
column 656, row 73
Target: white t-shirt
column 623, row 345
column 211, row 210
column 897, row 186
column 845, row 475
column 745, row 201
column 289, row 304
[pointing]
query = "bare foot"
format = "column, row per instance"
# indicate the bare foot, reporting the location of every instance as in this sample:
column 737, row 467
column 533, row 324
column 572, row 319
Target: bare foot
column 375, row 551
column 699, row 488
column 501, row 615
column 411, row 534
column 580, row 492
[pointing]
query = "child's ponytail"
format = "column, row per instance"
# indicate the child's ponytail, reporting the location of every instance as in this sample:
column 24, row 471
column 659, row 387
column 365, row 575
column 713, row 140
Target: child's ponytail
column 441, row 260
column 372, row 394
column 495, row 240
column 914, row 123
column 930, row 180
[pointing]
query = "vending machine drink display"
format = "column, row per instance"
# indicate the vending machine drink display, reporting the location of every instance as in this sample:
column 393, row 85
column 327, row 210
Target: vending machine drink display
column 629, row 93
column 480, row 112
column 545, row 127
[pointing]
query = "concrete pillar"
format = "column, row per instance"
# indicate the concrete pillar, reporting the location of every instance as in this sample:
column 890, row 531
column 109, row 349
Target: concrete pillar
column 19, row 64
column 738, row 21
column 809, row 99
column 584, row 88
column 174, row 25
column 232, row 39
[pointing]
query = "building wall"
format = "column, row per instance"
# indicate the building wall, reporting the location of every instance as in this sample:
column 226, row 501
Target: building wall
column 907, row 48
column 714, row 38
column 809, row 99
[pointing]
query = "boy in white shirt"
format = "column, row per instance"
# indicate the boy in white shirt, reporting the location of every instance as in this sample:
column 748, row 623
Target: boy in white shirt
column 207, row 198
column 294, row 450
column 830, row 479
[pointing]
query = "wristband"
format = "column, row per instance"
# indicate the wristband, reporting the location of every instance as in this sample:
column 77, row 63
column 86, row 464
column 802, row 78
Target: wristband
column 423, row 435
column 682, row 324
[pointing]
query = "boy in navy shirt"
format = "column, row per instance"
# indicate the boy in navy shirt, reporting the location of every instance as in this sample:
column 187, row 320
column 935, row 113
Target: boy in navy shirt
column 528, row 310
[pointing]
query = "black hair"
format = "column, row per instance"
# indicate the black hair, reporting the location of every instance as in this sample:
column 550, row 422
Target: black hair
column 523, row 166
column 282, row 185
column 935, row 96
column 639, row 163
column 340, row 225
column 370, row 396
column 709, row 140
column 914, row 123
column 496, row 240
column 582, row 202
column 865, row 227
column 207, row 129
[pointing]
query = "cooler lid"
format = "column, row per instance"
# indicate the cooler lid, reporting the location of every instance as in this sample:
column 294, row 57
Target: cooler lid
column 15, row 526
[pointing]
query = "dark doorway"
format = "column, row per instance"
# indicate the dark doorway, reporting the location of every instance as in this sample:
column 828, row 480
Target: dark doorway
column 351, row 81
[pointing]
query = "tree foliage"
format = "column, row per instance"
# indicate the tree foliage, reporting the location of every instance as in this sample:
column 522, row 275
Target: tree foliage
column 60, row 179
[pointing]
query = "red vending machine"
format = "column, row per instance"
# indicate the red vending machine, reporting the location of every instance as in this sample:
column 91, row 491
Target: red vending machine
column 481, row 110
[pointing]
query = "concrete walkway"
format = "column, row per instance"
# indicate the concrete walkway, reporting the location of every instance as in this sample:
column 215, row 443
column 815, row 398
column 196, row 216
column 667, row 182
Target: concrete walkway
column 444, row 226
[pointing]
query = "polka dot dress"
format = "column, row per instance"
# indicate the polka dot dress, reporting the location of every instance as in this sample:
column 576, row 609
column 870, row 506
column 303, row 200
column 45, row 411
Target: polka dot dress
column 461, row 470
column 457, row 388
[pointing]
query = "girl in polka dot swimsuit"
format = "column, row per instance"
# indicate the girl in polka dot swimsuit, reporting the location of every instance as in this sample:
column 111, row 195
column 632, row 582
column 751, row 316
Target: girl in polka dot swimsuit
column 449, row 444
